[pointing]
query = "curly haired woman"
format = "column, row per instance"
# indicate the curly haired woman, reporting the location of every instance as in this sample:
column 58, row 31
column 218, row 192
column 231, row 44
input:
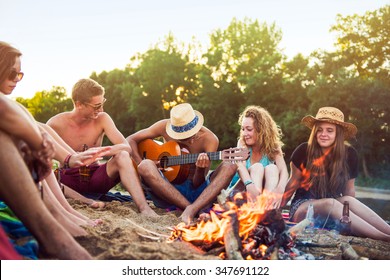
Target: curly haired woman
column 265, row 170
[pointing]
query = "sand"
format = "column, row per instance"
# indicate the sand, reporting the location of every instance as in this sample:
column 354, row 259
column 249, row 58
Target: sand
column 127, row 235
column 119, row 237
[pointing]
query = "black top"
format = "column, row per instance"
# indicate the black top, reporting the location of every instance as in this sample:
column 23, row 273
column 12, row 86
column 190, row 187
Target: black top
column 299, row 159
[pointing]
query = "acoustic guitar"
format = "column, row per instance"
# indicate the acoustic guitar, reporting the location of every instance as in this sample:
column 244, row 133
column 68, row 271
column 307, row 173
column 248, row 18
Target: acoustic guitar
column 175, row 162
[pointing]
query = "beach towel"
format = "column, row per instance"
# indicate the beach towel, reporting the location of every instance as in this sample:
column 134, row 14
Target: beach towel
column 108, row 197
column 19, row 236
column 7, row 250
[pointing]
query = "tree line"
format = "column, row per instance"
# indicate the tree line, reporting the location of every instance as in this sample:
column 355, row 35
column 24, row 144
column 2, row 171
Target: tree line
column 244, row 65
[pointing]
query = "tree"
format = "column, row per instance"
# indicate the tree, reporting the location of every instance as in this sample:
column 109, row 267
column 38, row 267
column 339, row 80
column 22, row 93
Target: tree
column 118, row 85
column 241, row 68
column 163, row 77
column 354, row 78
column 364, row 41
column 46, row 104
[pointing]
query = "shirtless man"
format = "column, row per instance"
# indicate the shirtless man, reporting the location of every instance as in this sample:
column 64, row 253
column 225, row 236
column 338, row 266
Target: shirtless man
column 86, row 125
column 185, row 126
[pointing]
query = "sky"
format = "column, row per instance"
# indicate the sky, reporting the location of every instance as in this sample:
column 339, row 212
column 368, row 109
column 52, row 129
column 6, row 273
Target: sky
column 63, row 41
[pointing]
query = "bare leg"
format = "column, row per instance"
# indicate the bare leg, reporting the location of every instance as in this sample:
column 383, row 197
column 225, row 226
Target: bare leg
column 70, row 193
column 76, row 216
column 256, row 171
column 161, row 187
column 69, row 222
column 121, row 163
column 271, row 177
column 325, row 206
column 19, row 192
column 366, row 213
column 220, row 180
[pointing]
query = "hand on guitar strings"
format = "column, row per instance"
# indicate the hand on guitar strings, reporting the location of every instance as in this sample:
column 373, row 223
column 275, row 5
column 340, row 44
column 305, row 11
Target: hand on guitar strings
column 203, row 161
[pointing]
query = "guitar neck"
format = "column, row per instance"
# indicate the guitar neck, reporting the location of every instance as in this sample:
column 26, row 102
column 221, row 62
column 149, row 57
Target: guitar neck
column 189, row 158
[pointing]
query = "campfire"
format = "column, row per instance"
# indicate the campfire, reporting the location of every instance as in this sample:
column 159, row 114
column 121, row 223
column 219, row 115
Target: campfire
column 242, row 229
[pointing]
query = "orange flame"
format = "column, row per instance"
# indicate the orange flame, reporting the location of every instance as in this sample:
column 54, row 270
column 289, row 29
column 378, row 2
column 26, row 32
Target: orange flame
column 318, row 162
column 249, row 215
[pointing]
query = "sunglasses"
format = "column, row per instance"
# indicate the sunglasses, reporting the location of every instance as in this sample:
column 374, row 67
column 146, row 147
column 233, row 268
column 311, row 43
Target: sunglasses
column 96, row 107
column 15, row 74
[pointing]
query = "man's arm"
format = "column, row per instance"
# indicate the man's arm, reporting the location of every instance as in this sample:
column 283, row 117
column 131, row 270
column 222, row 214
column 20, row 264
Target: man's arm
column 210, row 143
column 114, row 135
column 155, row 130
column 63, row 150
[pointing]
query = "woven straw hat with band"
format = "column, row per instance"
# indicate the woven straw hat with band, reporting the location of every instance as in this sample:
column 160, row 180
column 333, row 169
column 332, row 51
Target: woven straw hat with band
column 331, row 115
column 184, row 122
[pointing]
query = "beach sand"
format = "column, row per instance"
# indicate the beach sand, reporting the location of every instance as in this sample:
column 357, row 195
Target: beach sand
column 121, row 236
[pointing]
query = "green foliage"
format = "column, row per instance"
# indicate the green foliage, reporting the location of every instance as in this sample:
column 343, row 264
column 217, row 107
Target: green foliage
column 243, row 65
column 46, row 104
column 164, row 77
column 118, row 87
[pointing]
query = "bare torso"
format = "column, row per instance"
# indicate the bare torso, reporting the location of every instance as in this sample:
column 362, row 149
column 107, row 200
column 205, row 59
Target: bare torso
column 76, row 132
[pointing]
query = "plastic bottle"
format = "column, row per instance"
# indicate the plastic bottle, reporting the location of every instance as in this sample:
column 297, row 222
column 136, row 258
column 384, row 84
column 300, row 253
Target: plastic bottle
column 310, row 214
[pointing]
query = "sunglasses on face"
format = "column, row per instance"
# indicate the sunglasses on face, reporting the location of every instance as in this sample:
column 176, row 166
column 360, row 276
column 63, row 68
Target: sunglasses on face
column 15, row 74
column 96, row 107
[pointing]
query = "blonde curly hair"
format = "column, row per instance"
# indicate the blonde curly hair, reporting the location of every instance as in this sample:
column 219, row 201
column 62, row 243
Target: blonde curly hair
column 268, row 132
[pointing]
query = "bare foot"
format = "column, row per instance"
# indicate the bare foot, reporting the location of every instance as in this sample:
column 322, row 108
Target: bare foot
column 97, row 222
column 98, row 204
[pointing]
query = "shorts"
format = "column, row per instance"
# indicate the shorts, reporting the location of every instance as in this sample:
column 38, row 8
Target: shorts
column 320, row 222
column 295, row 205
column 186, row 189
column 99, row 181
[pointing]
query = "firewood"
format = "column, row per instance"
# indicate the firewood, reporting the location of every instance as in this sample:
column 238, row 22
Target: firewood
column 294, row 230
column 348, row 253
column 147, row 230
column 216, row 251
column 274, row 254
column 232, row 239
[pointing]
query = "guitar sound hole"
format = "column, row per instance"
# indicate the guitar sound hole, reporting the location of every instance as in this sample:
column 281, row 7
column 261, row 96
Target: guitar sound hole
column 163, row 162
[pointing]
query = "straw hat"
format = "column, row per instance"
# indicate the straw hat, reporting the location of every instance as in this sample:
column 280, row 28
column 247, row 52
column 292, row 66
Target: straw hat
column 184, row 122
column 331, row 115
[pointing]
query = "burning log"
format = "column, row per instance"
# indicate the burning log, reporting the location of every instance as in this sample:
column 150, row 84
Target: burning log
column 241, row 229
column 232, row 239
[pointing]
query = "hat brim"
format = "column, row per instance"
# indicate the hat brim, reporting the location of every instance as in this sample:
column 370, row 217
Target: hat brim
column 186, row 134
column 350, row 129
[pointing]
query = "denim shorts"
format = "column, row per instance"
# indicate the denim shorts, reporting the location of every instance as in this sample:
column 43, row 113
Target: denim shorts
column 186, row 189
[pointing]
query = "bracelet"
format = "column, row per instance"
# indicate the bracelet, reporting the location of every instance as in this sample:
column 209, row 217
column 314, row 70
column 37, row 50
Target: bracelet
column 248, row 182
column 66, row 161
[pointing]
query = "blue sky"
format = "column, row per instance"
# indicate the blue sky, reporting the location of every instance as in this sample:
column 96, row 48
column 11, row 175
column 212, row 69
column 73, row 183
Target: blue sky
column 65, row 40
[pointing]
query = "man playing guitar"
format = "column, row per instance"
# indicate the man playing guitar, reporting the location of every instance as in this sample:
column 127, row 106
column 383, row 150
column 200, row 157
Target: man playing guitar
column 199, row 190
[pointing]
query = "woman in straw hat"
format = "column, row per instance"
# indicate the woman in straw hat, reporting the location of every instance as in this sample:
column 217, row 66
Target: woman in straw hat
column 199, row 190
column 323, row 173
column 265, row 170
